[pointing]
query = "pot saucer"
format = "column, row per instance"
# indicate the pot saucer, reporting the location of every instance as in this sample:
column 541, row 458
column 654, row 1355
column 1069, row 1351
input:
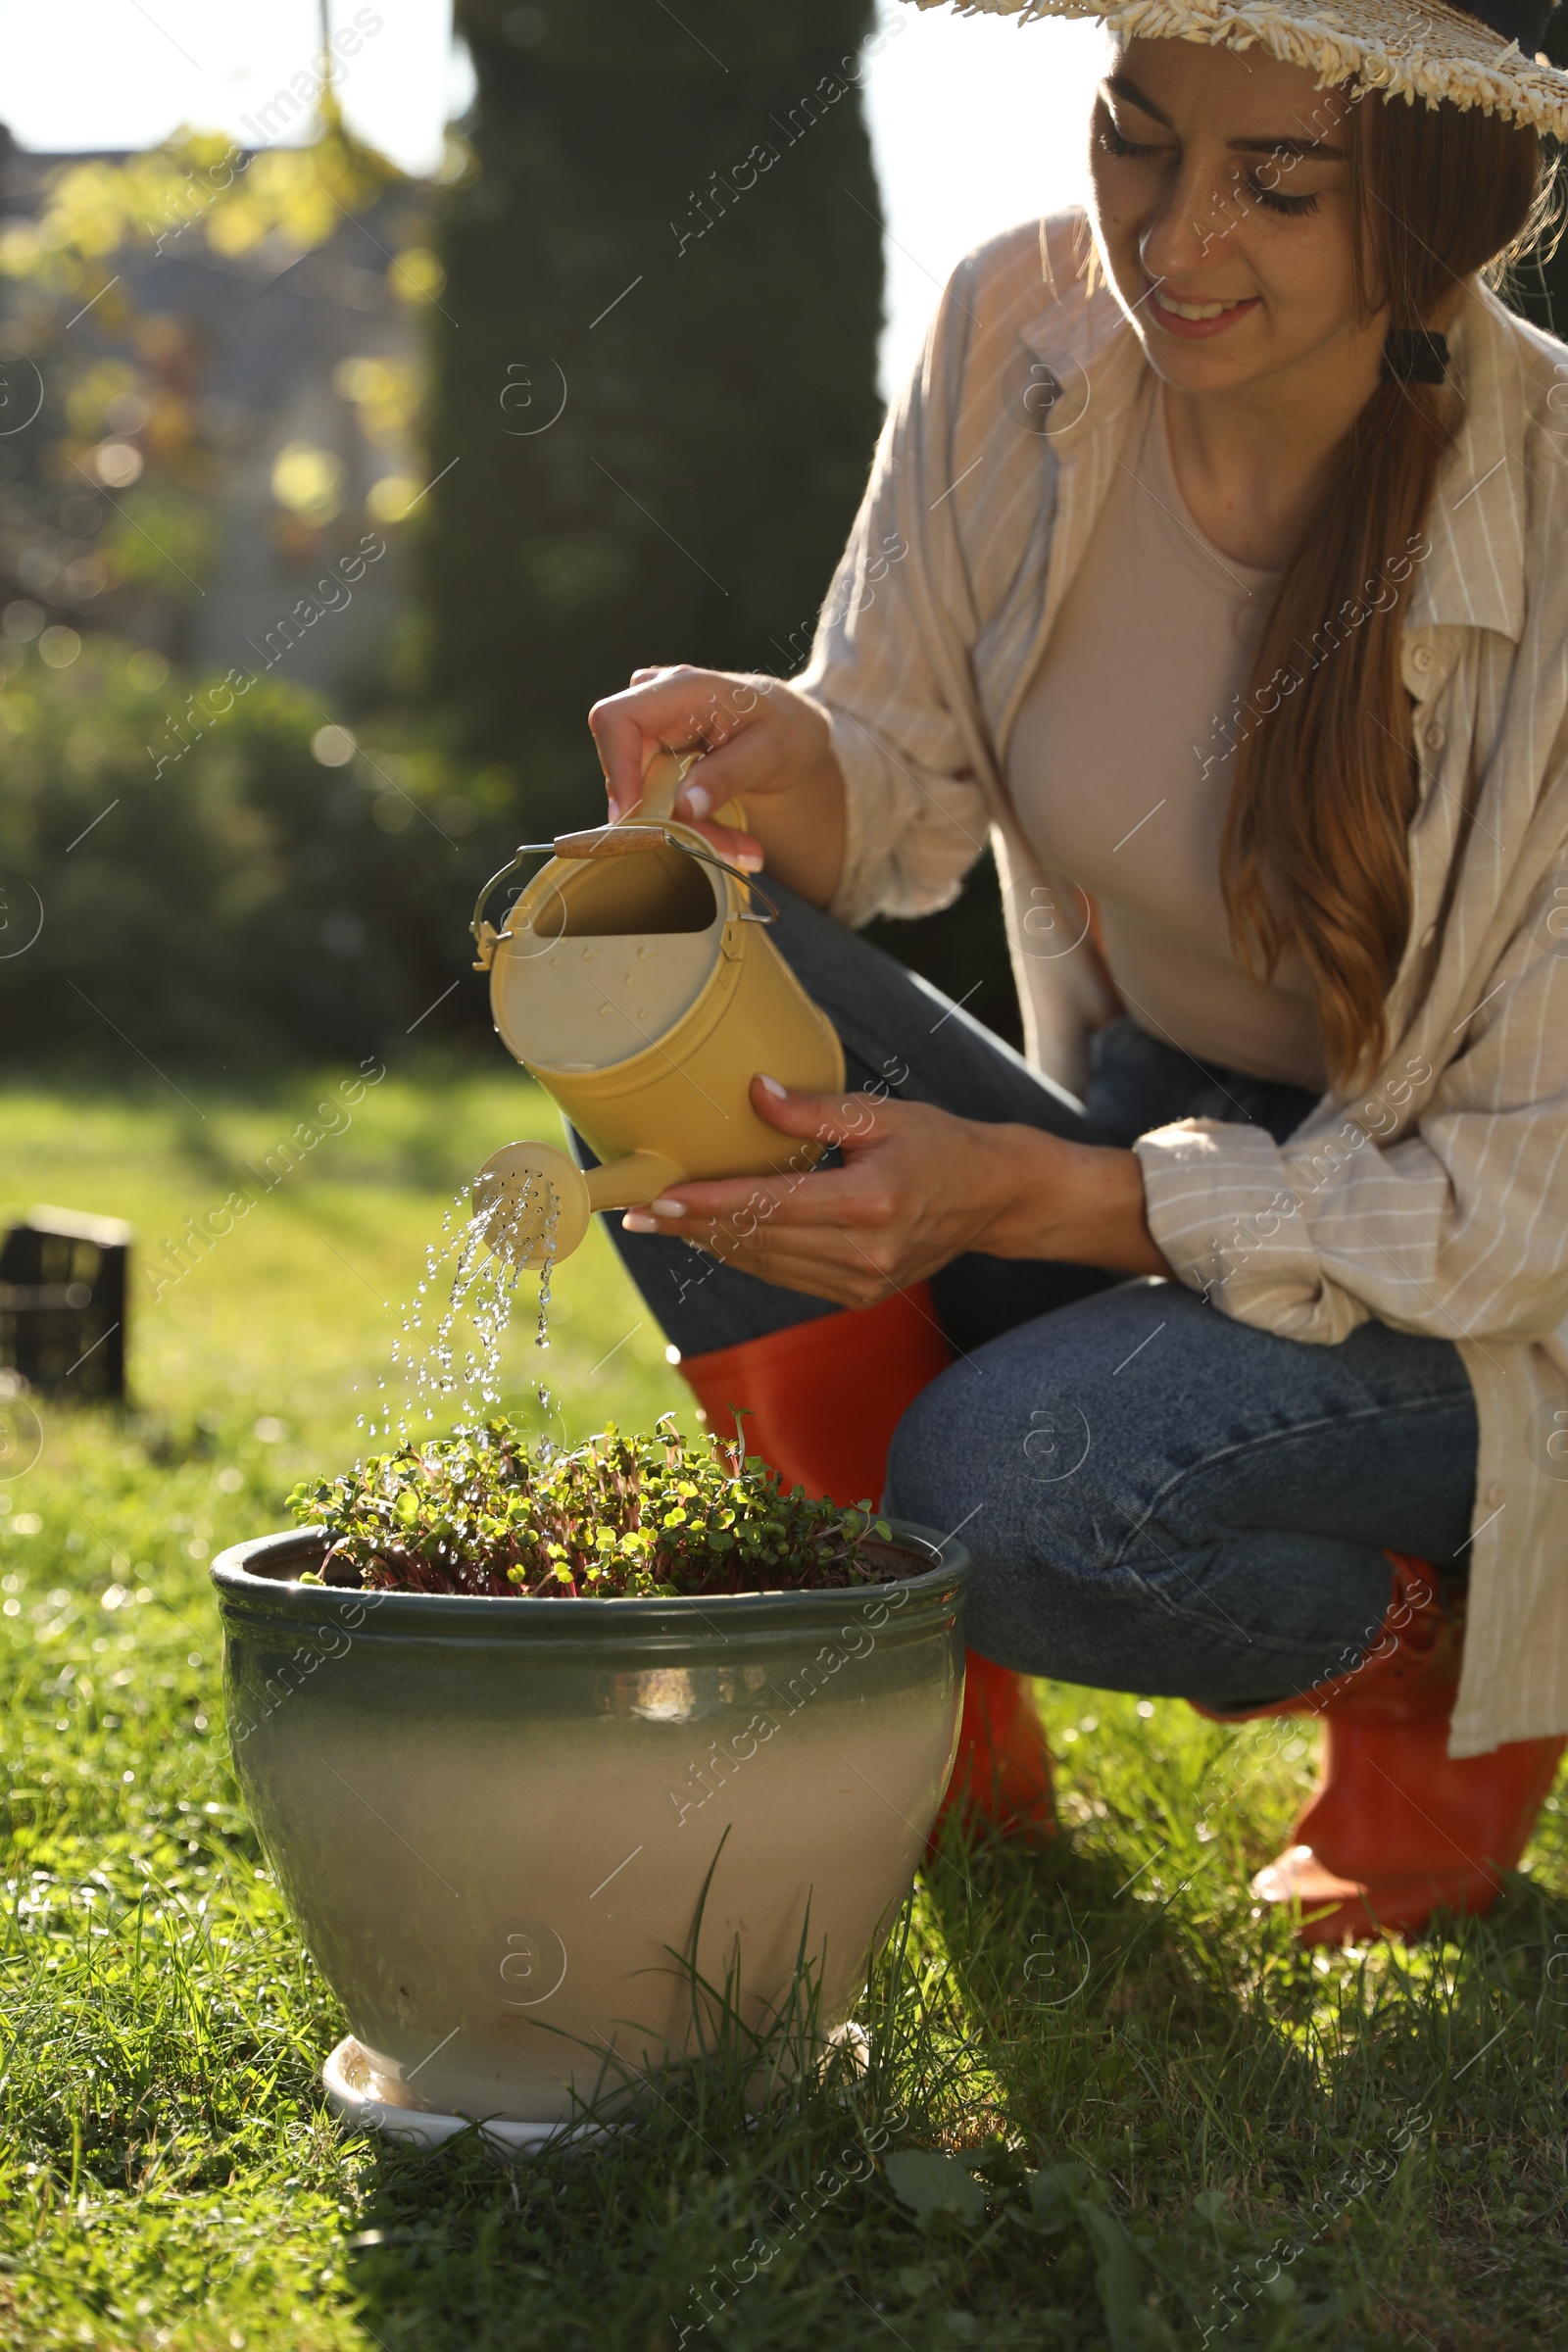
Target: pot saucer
column 367, row 2103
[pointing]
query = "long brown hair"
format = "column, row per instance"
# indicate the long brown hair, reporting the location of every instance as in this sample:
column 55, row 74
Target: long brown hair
column 1314, row 853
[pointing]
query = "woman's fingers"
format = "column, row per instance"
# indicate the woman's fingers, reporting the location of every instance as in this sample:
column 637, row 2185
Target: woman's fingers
column 844, row 1285
column 847, row 1120
column 679, row 709
column 911, row 1195
column 736, row 848
column 851, row 1280
column 803, row 1196
column 627, row 729
column 712, row 1215
column 827, row 1266
column 656, row 712
column 834, row 1197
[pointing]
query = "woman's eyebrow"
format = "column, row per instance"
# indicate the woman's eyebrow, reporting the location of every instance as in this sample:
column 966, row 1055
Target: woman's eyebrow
column 1121, row 87
column 1314, row 151
column 1290, row 147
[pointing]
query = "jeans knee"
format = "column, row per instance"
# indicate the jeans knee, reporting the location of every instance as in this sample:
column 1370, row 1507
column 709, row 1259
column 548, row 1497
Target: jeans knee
column 926, row 1460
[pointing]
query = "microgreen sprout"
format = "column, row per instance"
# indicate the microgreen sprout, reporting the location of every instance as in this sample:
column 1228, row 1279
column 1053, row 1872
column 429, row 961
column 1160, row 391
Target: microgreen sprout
column 484, row 1511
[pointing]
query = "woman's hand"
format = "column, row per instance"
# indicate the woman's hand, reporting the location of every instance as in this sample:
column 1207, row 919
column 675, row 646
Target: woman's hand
column 760, row 741
column 918, row 1189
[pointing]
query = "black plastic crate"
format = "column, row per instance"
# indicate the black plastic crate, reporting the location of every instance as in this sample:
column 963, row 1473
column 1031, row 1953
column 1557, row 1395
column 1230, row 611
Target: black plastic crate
column 63, row 1284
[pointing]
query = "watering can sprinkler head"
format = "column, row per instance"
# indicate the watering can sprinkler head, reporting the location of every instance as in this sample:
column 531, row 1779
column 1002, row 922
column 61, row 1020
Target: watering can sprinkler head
column 634, row 978
column 533, row 1203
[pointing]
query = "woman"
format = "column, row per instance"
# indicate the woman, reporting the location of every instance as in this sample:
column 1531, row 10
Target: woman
column 1215, row 573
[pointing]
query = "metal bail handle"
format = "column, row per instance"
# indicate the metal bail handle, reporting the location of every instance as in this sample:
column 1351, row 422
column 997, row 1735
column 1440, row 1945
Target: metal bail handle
column 628, row 837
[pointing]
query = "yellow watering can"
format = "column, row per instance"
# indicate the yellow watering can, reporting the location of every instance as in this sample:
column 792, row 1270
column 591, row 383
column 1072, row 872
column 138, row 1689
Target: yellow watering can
column 635, row 979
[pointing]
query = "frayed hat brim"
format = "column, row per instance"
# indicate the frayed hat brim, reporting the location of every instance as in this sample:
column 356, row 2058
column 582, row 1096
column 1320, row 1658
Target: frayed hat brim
column 1406, row 49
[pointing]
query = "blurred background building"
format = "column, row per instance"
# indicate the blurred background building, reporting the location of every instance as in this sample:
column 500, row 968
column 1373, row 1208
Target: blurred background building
column 248, row 406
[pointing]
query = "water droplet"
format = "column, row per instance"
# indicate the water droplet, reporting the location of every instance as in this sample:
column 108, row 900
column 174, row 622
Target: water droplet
column 480, row 1285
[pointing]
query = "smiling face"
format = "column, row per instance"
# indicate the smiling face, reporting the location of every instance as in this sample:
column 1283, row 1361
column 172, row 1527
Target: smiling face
column 1223, row 213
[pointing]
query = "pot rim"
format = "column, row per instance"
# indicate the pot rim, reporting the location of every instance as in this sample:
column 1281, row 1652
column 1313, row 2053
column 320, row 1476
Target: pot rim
column 575, row 1617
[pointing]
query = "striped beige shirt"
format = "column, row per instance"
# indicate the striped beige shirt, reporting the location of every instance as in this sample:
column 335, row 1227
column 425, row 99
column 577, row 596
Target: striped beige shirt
column 1435, row 1197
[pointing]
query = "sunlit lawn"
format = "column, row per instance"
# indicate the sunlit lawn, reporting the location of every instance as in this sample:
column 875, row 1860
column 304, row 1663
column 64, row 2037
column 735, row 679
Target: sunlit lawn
column 1155, row 2125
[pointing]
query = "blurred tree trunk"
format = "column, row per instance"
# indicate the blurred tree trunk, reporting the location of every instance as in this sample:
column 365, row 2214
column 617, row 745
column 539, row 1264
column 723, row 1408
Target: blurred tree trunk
column 655, row 384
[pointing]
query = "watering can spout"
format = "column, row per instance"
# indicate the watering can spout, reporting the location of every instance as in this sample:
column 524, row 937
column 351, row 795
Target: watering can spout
column 533, row 1203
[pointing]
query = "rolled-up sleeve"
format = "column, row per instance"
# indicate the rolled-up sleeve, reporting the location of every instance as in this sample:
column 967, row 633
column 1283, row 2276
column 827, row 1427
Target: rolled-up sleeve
column 1458, row 1230
column 916, row 819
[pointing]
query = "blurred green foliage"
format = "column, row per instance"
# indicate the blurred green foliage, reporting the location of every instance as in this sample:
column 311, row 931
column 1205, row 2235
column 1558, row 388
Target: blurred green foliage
column 238, row 901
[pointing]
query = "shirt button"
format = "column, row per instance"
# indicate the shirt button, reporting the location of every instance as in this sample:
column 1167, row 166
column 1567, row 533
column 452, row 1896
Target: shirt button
column 1496, row 1496
column 1437, row 736
column 1421, row 658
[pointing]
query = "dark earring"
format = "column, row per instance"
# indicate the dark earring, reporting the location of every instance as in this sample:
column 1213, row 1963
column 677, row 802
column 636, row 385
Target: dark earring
column 1411, row 356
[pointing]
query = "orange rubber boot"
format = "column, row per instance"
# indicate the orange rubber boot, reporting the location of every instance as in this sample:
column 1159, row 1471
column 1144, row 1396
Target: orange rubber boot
column 824, row 1399
column 1001, row 1774
column 1396, row 1828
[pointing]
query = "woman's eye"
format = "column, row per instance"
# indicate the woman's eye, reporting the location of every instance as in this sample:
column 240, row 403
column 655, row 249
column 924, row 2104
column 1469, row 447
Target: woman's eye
column 1114, row 143
column 1269, row 194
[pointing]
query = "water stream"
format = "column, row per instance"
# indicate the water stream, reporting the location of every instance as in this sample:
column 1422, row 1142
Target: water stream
column 435, row 1363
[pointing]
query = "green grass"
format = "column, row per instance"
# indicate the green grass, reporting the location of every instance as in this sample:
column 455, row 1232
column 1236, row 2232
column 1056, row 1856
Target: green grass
column 1146, row 2116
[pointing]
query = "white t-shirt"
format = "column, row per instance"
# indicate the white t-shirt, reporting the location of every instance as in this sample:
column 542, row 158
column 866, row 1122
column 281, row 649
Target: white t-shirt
column 1120, row 768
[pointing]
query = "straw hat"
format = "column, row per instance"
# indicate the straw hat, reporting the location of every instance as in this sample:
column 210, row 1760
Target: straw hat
column 1488, row 55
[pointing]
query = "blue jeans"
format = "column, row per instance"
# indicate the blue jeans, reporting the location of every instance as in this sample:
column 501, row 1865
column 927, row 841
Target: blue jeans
column 1157, row 1498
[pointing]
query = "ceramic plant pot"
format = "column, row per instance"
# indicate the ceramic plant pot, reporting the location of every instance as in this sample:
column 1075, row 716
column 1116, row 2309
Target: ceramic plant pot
column 494, row 1818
